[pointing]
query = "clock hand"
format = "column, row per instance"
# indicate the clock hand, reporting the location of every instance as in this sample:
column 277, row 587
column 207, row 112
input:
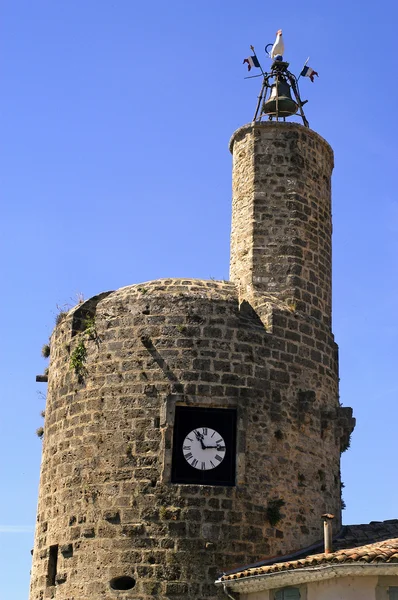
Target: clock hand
column 215, row 447
column 199, row 437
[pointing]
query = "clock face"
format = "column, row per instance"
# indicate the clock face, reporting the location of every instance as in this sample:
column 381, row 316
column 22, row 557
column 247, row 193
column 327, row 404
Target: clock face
column 204, row 448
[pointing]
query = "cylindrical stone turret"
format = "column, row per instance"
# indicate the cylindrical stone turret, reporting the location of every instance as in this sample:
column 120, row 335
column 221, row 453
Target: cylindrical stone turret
column 281, row 215
column 121, row 512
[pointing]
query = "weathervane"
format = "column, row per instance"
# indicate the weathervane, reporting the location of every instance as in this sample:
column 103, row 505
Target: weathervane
column 280, row 82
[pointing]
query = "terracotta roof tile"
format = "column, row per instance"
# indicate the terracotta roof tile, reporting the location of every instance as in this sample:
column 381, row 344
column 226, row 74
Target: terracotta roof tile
column 350, row 536
column 367, row 533
column 379, row 552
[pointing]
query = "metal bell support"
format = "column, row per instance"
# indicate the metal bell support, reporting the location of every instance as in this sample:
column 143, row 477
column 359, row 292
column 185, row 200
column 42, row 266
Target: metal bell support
column 280, row 103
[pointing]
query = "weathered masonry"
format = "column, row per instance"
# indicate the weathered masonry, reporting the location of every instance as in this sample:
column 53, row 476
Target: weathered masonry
column 199, row 426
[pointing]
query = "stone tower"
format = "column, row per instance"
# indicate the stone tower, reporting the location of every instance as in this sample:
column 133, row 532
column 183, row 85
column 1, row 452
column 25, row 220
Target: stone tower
column 138, row 375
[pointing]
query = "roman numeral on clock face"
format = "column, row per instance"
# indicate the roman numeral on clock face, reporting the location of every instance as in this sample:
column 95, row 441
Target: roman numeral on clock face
column 203, row 448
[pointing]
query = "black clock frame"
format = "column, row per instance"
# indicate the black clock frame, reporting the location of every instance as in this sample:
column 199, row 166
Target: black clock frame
column 223, row 420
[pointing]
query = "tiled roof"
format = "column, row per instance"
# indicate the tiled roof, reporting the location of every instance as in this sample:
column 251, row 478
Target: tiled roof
column 368, row 533
column 379, row 552
column 350, row 536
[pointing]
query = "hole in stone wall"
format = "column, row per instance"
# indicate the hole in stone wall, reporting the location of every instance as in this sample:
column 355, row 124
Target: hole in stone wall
column 52, row 565
column 112, row 516
column 122, row 583
column 66, row 550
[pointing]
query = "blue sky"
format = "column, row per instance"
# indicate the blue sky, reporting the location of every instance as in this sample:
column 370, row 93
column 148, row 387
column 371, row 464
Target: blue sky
column 115, row 119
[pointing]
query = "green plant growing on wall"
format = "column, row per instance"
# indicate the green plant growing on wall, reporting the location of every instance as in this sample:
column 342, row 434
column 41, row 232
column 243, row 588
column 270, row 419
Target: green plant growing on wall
column 343, row 504
column 273, row 511
column 78, row 359
column 45, row 351
column 62, row 312
column 79, row 297
column 346, row 444
column 90, row 329
column 40, row 432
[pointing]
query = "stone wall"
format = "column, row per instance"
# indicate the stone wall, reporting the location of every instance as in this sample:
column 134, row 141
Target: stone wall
column 281, row 215
column 107, row 507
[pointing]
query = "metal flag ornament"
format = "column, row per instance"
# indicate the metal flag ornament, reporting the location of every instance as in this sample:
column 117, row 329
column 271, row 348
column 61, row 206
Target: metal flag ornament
column 279, row 85
column 308, row 72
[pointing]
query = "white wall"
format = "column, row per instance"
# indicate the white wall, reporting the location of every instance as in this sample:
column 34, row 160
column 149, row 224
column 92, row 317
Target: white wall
column 343, row 588
column 266, row 595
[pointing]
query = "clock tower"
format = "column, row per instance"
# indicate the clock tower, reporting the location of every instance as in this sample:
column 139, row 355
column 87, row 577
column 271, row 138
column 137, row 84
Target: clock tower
column 191, row 425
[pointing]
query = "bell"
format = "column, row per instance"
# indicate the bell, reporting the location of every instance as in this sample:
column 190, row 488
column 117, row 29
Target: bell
column 280, row 103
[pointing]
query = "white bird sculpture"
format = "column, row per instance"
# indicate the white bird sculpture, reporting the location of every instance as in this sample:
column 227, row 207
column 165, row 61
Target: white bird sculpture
column 279, row 47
